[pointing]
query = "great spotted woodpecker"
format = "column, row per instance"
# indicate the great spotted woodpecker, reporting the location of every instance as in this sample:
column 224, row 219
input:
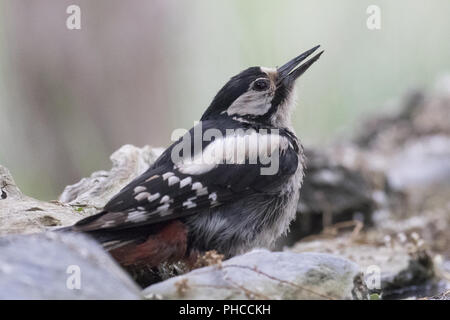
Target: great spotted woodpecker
column 215, row 196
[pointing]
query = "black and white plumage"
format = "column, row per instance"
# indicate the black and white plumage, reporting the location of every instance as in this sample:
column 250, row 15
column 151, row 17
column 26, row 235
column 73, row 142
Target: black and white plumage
column 225, row 203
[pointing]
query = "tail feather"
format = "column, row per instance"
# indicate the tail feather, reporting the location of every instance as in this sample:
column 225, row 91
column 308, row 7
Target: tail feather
column 62, row 229
column 147, row 245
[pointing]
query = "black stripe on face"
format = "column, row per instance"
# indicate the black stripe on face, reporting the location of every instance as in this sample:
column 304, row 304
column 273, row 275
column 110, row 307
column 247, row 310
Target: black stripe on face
column 281, row 95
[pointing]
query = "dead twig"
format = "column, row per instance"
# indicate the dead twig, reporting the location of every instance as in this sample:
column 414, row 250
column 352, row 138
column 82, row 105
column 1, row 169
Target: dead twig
column 254, row 269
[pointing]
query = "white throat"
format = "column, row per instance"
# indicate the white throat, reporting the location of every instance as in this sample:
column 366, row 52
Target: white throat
column 282, row 116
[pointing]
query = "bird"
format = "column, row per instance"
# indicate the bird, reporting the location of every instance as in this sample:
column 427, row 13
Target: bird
column 212, row 193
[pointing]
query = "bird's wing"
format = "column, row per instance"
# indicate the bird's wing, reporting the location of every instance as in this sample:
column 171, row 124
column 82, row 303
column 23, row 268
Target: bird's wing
column 170, row 190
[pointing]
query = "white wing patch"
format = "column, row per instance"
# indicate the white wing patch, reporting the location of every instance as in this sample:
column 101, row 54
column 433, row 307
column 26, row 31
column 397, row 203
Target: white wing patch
column 244, row 147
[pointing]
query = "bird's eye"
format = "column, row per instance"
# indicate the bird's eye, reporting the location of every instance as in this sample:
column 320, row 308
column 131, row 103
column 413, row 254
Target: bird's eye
column 261, row 85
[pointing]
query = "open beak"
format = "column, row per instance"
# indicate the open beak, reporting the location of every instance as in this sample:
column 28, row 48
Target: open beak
column 288, row 73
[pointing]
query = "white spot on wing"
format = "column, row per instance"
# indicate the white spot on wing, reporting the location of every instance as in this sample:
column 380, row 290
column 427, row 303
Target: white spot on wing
column 153, row 197
column 185, row 182
column 196, row 185
column 165, row 212
column 213, row 197
column 167, row 175
column 202, row 191
column 189, row 203
column 172, row 180
column 142, row 196
column 165, row 199
column 162, row 208
column 139, row 189
column 136, row 216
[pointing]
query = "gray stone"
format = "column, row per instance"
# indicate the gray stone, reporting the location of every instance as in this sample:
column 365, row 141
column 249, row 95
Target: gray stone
column 261, row 274
column 95, row 191
column 412, row 146
column 442, row 296
column 22, row 214
column 423, row 162
column 401, row 264
column 41, row 266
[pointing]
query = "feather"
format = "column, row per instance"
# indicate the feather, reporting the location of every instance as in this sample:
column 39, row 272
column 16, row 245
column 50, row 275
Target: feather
column 169, row 190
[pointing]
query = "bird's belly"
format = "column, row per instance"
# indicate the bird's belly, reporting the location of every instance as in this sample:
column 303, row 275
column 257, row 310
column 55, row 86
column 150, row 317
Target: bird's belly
column 243, row 225
column 254, row 221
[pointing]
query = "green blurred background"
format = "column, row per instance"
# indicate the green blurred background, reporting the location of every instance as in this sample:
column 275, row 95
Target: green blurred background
column 139, row 69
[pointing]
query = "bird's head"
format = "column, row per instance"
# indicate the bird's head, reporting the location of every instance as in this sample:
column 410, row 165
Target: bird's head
column 259, row 94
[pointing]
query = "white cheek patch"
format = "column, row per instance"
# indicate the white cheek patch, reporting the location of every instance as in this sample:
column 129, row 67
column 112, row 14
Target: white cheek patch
column 282, row 116
column 253, row 103
column 249, row 148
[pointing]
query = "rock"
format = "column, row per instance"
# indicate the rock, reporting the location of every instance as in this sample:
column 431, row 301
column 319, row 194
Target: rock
column 128, row 163
column 442, row 296
column 22, row 214
column 423, row 162
column 417, row 163
column 402, row 263
column 41, row 266
column 420, row 114
column 412, row 146
column 261, row 274
column 393, row 177
column 430, row 225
